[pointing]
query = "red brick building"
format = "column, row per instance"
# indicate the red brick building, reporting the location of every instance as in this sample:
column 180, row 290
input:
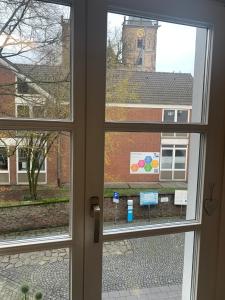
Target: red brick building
column 159, row 97
column 135, row 92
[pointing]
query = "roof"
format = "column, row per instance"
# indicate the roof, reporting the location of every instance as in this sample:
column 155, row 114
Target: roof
column 150, row 87
column 53, row 79
column 123, row 86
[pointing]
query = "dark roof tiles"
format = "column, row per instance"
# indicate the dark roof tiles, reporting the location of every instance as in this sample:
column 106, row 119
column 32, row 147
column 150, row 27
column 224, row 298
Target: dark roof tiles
column 153, row 87
column 141, row 86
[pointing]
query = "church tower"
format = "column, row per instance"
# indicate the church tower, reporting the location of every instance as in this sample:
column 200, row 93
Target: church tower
column 139, row 37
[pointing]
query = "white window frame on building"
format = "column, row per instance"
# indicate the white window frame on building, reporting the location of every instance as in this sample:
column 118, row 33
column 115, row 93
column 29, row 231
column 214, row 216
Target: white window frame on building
column 175, row 110
column 18, row 172
column 173, row 170
column 31, row 112
column 5, row 172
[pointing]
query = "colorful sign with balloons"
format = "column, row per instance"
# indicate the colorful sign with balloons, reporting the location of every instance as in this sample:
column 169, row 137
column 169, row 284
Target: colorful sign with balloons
column 144, row 163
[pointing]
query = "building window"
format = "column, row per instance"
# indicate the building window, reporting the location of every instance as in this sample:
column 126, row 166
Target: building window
column 23, row 111
column 33, row 111
column 140, row 43
column 173, row 165
column 175, row 116
column 3, row 159
column 182, row 116
column 38, row 111
column 22, row 86
column 37, row 156
column 22, row 159
column 169, row 116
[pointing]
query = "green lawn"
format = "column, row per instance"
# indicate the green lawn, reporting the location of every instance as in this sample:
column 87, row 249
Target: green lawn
column 135, row 192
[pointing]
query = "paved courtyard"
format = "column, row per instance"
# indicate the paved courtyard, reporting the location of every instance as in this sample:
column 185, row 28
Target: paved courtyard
column 146, row 268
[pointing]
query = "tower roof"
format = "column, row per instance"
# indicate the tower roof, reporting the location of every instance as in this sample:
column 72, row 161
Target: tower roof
column 136, row 21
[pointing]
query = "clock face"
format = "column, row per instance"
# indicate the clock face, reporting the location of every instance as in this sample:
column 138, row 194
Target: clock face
column 140, row 32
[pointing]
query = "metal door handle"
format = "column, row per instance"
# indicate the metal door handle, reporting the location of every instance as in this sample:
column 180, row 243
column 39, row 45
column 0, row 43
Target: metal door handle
column 95, row 213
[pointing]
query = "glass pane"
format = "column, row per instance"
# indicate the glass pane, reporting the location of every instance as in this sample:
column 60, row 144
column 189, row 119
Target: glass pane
column 169, row 116
column 148, row 182
column 167, row 159
column 148, row 268
column 154, row 70
column 35, row 69
column 180, row 158
column 35, row 184
column 22, row 111
column 182, row 116
column 30, row 275
column 38, row 112
column 3, row 159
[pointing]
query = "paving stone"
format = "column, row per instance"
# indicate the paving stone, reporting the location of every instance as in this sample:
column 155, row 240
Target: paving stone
column 147, row 269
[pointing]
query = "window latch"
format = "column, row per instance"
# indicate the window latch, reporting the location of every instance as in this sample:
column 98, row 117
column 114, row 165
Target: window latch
column 95, row 212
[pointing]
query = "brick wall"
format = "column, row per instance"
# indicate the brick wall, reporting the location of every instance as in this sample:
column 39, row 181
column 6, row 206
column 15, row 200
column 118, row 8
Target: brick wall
column 14, row 219
column 7, row 92
column 30, row 217
column 133, row 114
column 119, row 145
column 162, row 210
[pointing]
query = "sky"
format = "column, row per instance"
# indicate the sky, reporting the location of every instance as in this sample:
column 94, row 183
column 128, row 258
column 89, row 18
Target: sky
column 175, row 45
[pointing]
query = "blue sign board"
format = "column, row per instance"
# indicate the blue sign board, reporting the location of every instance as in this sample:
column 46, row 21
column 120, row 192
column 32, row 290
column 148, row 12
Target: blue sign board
column 116, row 197
column 149, row 198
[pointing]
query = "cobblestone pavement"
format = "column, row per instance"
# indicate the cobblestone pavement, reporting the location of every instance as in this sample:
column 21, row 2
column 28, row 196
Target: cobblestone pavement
column 132, row 269
column 172, row 292
column 143, row 262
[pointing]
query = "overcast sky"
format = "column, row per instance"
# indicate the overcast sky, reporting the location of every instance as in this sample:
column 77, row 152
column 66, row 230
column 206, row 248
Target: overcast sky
column 175, row 45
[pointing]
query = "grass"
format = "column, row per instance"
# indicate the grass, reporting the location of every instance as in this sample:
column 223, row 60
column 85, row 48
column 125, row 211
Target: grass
column 135, row 192
column 16, row 203
column 65, row 198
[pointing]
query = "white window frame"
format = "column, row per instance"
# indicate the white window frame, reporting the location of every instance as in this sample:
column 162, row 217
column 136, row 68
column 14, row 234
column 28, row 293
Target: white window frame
column 174, row 148
column 30, row 106
column 75, row 240
column 6, row 171
column 173, row 134
column 191, row 13
column 24, row 172
column 176, row 111
column 85, row 265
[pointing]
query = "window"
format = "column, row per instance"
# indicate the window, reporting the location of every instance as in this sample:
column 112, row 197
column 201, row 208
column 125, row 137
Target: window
column 169, row 116
column 22, row 159
column 23, row 111
column 3, row 159
column 175, row 116
column 38, row 111
column 173, row 162
column 22, row 87
column 182, row 116
column 26, row 111
column 36, row 157
column 140, row 43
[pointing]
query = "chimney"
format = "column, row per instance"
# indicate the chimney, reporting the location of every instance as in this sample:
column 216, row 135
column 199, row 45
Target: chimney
column 65, row 23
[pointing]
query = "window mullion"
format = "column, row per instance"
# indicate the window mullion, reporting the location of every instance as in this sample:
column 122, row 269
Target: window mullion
column 155, row 127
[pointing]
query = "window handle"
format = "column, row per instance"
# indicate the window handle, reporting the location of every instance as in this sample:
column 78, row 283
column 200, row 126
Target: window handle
column 95, row 212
